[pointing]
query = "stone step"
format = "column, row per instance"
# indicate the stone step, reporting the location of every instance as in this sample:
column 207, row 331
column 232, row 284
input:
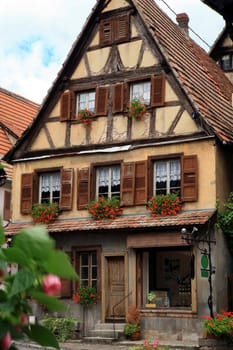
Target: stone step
column 116, row 326
column 98, row 340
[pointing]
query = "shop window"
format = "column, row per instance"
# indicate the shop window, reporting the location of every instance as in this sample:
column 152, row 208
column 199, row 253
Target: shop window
column 168, row 273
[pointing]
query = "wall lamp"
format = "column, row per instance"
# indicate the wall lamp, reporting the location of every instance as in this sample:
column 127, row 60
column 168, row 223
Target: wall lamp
column 207, row 269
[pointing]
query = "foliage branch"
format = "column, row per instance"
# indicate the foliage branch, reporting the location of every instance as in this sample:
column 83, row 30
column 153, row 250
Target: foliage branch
column 36, row 280
column 225, row 221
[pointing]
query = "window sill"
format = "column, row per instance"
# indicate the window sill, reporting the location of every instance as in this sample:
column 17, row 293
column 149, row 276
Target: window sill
column 169, row 312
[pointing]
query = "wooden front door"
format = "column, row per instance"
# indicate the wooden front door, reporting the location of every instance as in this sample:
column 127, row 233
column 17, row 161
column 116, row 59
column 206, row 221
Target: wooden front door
column 115, row 293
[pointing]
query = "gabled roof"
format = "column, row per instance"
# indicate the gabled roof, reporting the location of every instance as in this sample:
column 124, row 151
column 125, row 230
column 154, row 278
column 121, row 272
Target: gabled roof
column 204, row 83
column 16, row 113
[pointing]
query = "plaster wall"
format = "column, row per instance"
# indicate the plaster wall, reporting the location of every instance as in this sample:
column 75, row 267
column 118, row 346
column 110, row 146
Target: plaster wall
column 206, row 179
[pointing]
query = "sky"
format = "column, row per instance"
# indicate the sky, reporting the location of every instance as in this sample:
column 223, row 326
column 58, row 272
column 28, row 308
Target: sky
column 37, row 35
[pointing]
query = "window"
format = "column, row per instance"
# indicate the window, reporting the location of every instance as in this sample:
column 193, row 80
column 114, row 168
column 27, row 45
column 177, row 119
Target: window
column 85, row 100
column 108, row 181
column 141, row 90
column 114, row 30
column 227, row 62
column 168, row 273
column 167, row 176
column 88, row 268
column 49, row 187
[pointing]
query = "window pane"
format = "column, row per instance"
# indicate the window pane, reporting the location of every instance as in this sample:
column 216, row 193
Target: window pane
column 141, row 90
column 167, row 176
column 108, row 181
column 49, row 190
column 86, row 100
column 83, row 259
column 84, row 272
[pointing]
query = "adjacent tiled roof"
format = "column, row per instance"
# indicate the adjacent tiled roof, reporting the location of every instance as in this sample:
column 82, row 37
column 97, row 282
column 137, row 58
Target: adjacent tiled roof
column 16, row 113
column 122, row 223
column 206, row 84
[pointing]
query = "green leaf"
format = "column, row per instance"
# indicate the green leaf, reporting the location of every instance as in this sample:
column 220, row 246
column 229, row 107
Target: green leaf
column 42, row 336
column 58, row 264
column 35, row 243
column 2, row 236
column 21, row 281
column 16, row 255
column 52, row 303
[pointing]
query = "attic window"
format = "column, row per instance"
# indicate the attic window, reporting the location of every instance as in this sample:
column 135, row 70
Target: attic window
column 86, row 100
column 114, row 30
column 141, row 90
column 227, row 62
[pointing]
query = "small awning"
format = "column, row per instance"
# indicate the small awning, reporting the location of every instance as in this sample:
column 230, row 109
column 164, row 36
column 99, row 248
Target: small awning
column 123, row 222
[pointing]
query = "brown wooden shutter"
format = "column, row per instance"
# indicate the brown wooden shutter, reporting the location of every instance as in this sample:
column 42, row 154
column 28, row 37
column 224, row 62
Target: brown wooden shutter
column 7, row 205
column 101, row 107
column 190, row 178
column 140, row 182
column 66, row 285
column 83, row 196
column 122, row 28
column 157, row 91
column 67, row 106
column 118, row 98
column 26, row 193
column 66, row 189
column 127, row 183
column 106, row 31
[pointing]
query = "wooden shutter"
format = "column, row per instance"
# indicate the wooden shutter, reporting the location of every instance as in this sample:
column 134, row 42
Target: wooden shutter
column 189, row 178
column 101, row 107
column 140, row 182
column 106, row 31
column 66, row 284
column 122, row 28
column 7, row 205
column 157, row 91
column 67, row 105
column 83, row 196
column 118, row 98
column 66, row 189
column 127, row 183
column 26, row 193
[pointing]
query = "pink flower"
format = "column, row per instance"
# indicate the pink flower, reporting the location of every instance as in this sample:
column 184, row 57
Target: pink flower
column 5, row 343
column 24, row 319
column 51, row 284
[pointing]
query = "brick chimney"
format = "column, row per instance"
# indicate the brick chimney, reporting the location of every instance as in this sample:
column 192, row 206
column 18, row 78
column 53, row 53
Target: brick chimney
column 183, row 20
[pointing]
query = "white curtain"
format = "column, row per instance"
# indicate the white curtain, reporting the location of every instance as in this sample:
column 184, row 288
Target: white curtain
column 163, row 168
column 50, row 182
column 174, row 170
column 106, row 173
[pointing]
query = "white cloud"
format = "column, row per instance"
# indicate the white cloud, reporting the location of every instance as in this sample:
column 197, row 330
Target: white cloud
column 37, row 35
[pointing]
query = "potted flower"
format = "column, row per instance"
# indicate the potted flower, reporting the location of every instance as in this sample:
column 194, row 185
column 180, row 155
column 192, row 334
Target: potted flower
column 44, row 213
column 151, row 298
column 136, row 109
column 85, row 117
column 105, row 208
column 132, row 328
column 86, row 296
column 221, row 326
column 164, row 204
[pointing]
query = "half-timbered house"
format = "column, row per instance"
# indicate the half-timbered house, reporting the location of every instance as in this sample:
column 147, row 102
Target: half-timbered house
column 131, row 49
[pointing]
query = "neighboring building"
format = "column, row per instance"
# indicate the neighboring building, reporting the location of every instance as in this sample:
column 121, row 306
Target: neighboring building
column 222, row 53
column 16, row 113
column 131, row 49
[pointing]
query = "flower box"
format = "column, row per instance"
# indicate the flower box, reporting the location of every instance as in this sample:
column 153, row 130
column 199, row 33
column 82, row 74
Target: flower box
column 164, row 205
column 105, row 208
column 136, row 109
column 85, row 116
column 44, row 213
